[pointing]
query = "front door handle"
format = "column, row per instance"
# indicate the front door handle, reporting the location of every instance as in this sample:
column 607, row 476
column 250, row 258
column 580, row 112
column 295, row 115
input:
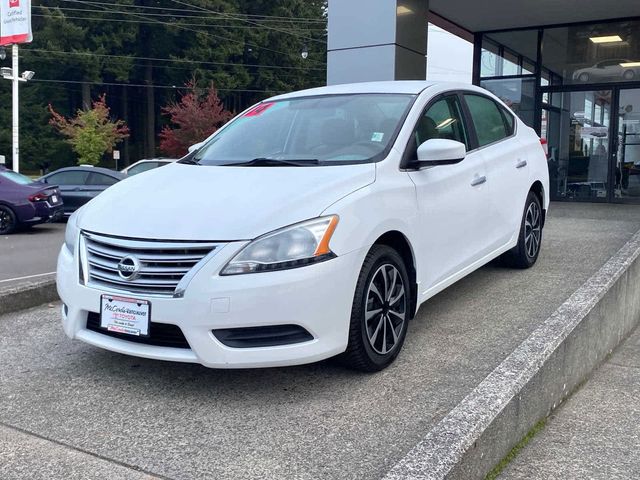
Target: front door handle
column 478, row 181
column 521, row 164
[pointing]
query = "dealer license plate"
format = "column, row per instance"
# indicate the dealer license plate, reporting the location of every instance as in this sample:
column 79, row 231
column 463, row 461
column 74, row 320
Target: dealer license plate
column 129, row 316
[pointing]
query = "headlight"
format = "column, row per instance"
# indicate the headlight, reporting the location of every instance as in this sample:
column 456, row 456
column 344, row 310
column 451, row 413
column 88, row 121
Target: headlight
column 72, row 233
column 290, row 247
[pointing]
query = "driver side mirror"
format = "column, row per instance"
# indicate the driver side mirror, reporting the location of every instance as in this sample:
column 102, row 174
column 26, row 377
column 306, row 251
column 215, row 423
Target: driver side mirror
column 195, row 147
column 439, row 151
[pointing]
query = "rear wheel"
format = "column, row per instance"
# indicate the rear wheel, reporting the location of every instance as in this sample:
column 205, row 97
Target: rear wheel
column 629, row 74
column 8, row 221
column 525, row 253
column 380, row 311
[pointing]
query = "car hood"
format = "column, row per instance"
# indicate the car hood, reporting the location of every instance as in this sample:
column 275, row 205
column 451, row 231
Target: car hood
column 189, row 202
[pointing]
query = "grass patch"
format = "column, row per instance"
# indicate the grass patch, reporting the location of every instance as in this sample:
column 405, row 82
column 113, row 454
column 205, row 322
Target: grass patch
column 497, row 470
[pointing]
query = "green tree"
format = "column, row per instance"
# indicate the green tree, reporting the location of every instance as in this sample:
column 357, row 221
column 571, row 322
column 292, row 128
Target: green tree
column 136, row 51
column 91, row 132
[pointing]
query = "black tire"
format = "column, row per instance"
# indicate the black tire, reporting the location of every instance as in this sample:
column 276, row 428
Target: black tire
column 629, row 74
column 583, row 77
column 8, row 220
column 367, row 350
column 526, row 252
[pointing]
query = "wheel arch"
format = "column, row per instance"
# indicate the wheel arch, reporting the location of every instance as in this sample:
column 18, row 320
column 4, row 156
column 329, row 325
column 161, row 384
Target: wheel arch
column 538, row 189
column 399, row 242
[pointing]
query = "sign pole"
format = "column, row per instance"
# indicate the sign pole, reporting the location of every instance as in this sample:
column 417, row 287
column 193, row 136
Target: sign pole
column 16, row 115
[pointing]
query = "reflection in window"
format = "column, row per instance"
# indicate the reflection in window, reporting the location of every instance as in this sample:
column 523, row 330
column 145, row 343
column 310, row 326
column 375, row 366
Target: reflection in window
column 597, row 53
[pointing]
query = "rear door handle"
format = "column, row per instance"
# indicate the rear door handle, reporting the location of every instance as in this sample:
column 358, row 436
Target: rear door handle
column 521, row 164
column 478, row 181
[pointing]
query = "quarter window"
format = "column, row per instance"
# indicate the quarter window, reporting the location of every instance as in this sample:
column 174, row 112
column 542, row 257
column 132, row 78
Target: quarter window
column 509, row 120
column 442, row 119
column 487, row 118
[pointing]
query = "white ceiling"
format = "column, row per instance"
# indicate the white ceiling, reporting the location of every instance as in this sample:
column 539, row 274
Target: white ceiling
column 483, row 15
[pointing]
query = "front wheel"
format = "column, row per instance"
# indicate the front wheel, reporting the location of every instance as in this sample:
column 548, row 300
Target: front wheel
column 380, row 311
column 525, row 253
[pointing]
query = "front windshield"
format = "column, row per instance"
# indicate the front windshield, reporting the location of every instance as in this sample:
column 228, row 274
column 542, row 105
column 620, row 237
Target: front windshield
column 332, row 129
column 16, row 177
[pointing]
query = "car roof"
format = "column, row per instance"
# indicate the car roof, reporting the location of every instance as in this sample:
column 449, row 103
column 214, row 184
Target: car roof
column 412, row 87
column 105, row 171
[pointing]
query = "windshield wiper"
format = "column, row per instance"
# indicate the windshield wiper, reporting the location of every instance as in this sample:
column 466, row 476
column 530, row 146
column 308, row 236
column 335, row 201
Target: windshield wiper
column 274, row 162
column 189, row 161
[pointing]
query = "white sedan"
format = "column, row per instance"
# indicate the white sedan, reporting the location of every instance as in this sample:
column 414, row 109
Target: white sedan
column 312, row 225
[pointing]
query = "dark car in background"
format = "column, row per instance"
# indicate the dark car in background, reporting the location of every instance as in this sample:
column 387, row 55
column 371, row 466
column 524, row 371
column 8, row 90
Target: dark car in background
column 24, row 202
column 78, row 185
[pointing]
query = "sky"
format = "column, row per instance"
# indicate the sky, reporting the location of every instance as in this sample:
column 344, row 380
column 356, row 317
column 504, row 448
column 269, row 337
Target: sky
column 449, row 58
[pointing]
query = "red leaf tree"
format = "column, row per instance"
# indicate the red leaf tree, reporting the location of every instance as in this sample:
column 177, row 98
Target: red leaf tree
column 197, row 115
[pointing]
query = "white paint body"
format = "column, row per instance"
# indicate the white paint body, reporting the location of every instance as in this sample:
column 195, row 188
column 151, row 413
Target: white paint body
column 452, row 227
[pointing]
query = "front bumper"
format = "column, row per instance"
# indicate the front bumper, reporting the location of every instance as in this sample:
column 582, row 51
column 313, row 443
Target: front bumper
column 316, row 297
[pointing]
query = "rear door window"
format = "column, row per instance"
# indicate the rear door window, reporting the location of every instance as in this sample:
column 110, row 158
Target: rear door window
column 487, row 118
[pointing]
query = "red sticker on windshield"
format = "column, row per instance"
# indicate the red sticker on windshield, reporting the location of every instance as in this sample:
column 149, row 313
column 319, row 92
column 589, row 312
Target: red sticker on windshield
column 258, row 109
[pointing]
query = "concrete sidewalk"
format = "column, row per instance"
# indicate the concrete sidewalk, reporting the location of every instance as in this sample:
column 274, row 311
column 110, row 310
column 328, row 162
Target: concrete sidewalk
column 596, row 433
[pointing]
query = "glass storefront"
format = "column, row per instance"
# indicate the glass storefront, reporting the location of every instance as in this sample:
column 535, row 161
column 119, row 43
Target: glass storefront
column 579, row 87
column 579, row 147
column 593, row 53
column 627, row 174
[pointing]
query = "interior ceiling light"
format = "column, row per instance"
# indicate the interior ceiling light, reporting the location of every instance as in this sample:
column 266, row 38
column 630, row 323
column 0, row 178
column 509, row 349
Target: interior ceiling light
column 606, row 39
column 402, row 10
column 630, row 64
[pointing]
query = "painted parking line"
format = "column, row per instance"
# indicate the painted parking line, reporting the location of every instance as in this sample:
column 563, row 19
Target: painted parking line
column 27, row 277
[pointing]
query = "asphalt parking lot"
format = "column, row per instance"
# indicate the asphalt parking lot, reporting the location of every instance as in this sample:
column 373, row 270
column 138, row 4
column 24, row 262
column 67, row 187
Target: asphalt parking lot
column 69, row 410
column 31, row 254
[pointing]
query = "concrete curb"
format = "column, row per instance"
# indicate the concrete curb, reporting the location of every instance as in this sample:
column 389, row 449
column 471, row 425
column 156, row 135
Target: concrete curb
column 534, row 378
column 27, row 295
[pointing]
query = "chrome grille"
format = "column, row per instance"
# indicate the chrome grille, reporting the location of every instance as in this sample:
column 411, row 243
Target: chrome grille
column 163, row 268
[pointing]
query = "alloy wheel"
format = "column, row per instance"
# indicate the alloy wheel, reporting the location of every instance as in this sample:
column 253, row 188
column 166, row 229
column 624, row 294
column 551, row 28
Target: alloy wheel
column 5, row 220
column 386, row 309
column 532, row 229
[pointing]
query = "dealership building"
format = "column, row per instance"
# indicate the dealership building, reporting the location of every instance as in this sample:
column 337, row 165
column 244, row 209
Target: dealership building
column 569, row 68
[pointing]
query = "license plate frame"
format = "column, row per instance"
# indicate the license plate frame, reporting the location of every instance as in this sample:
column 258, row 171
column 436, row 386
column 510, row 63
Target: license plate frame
column 128, row 316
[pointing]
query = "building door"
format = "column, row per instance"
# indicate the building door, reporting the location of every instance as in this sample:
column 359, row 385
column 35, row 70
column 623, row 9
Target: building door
column 627, row 147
